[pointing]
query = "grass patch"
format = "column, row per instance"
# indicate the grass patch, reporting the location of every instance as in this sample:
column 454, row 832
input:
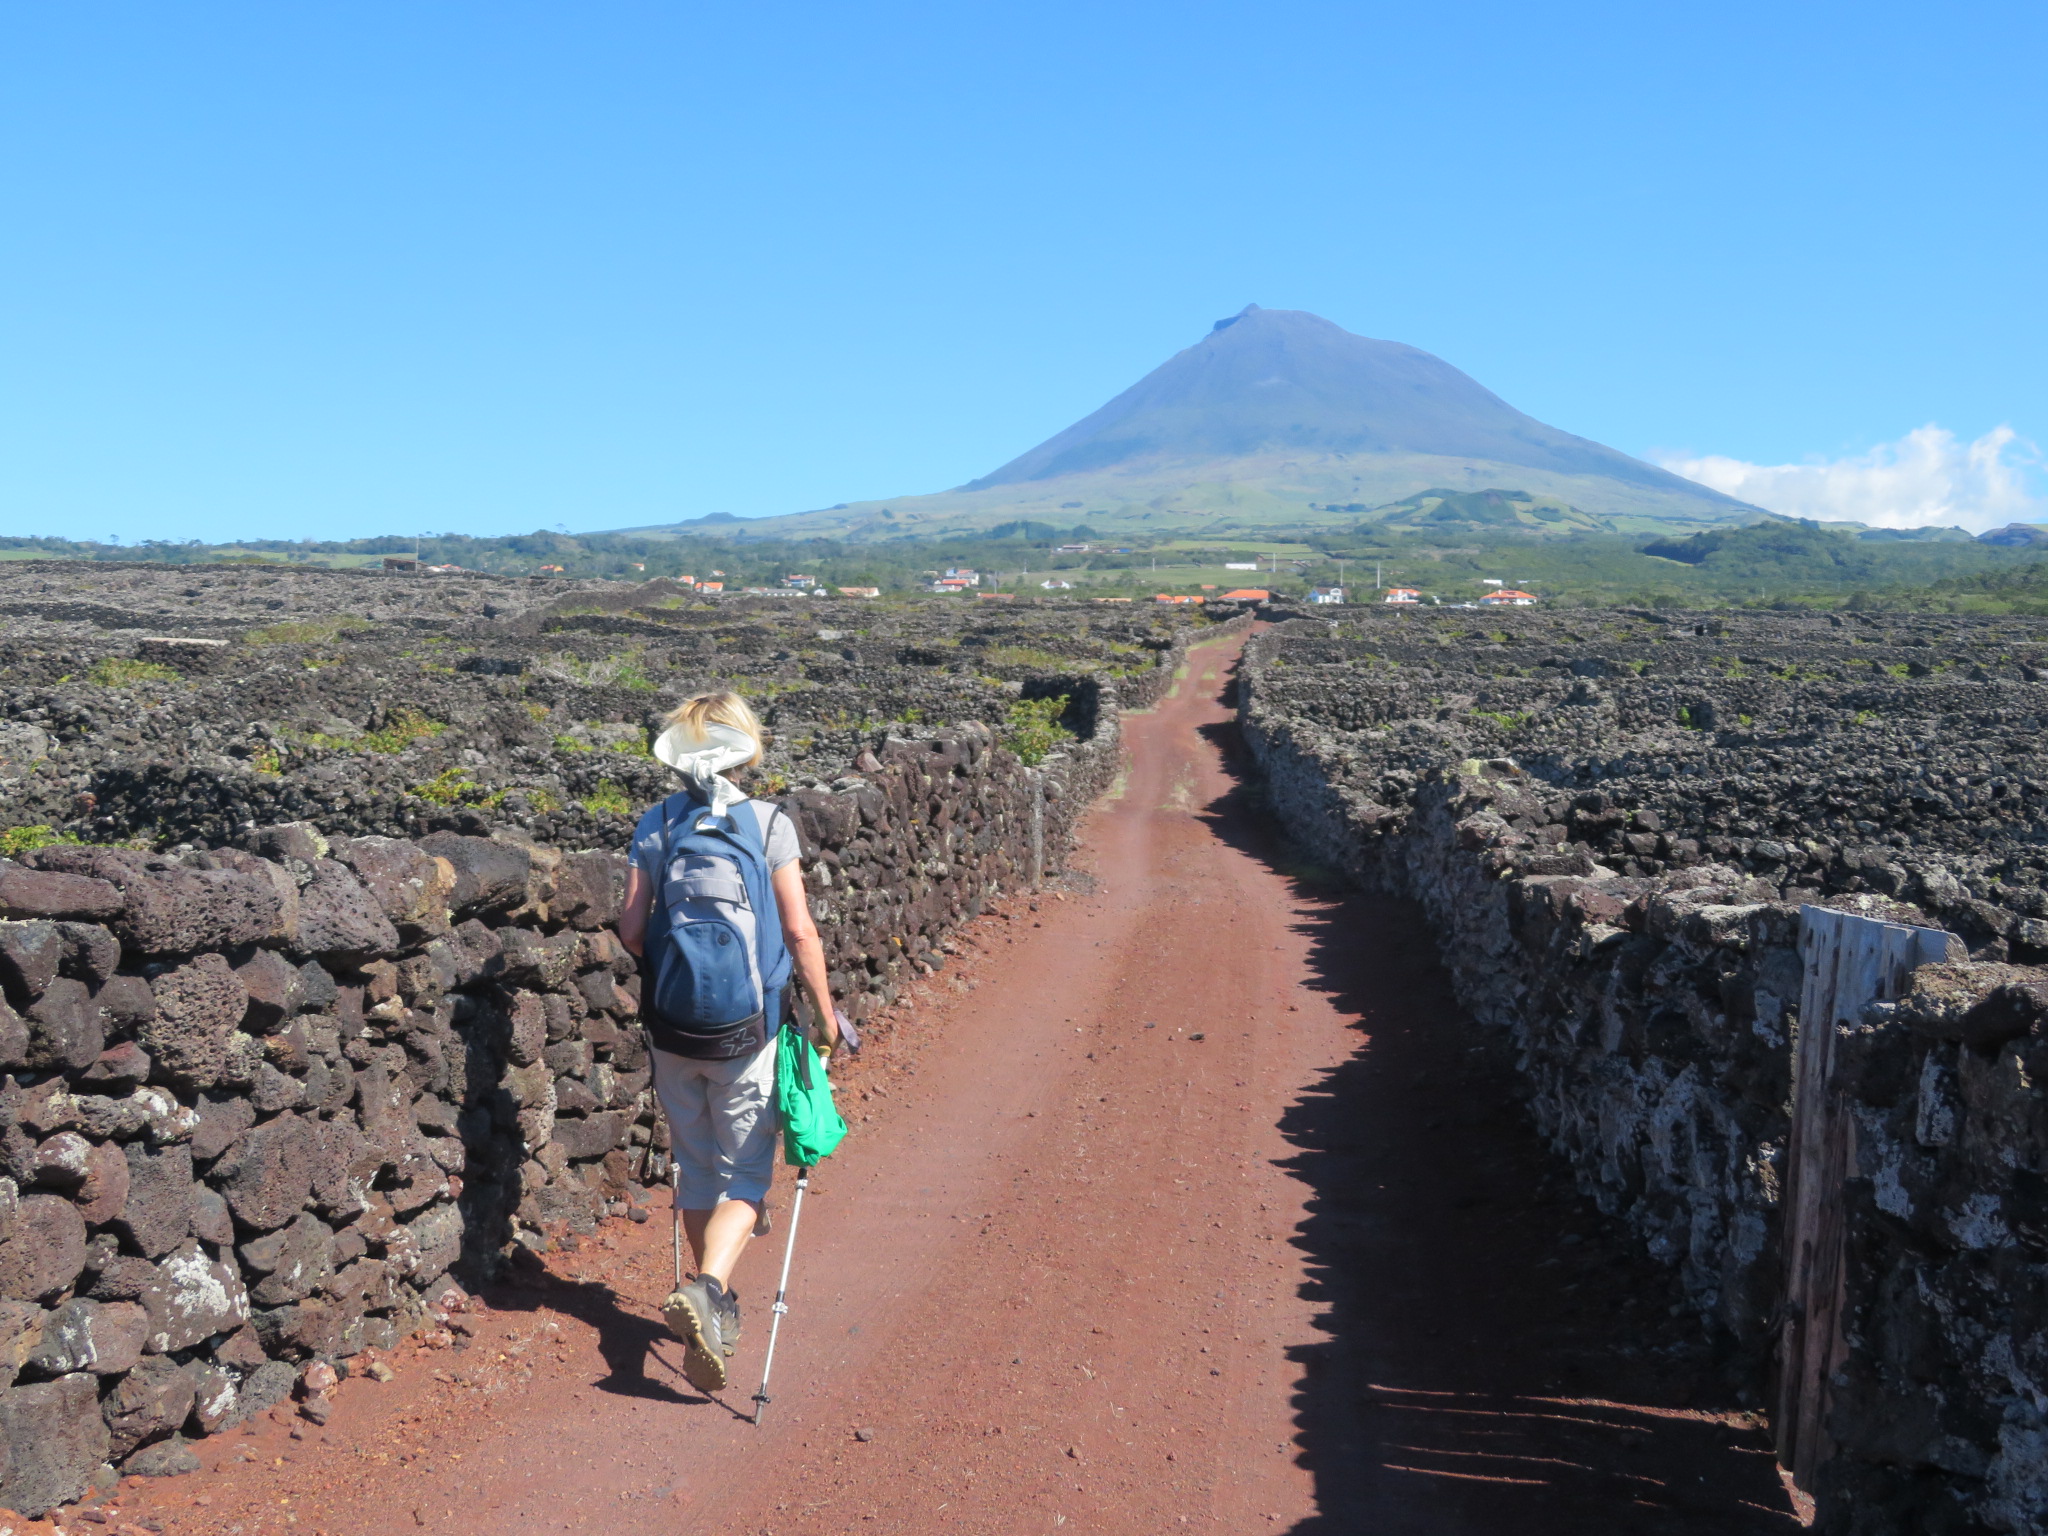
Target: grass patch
column 305, row 631
column 127, row 672
column 1032, row 729
column 1027, row 656
column 624, row 670
column 401, row 728
column 1505, row 720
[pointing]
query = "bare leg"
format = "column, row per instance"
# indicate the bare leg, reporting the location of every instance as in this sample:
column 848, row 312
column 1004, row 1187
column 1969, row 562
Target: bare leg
column 718, row 1237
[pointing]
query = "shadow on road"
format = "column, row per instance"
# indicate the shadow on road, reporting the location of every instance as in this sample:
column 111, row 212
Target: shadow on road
column 642, row 1359
column 1499, row 1358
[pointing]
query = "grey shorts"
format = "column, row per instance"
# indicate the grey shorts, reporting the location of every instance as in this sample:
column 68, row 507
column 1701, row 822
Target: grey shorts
column 721, row 1125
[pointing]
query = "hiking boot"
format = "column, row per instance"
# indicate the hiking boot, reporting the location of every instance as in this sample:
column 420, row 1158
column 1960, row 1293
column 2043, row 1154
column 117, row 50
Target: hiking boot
column 693, row 1315
column 729, row 1322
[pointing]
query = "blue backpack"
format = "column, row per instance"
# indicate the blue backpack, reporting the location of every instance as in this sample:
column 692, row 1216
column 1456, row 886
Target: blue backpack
column 717, row 977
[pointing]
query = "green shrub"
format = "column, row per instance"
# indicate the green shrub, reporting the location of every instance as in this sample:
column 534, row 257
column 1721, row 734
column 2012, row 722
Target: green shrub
column 15, row 841
column 607, row 800
column 454, row 786
column 401, row 728
column 1032, row 729
column 126, row 672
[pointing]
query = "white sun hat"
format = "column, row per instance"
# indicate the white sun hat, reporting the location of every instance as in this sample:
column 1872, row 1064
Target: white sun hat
column 701, row 756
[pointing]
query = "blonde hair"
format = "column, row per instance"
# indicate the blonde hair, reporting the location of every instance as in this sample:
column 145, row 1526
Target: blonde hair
column 703, row 709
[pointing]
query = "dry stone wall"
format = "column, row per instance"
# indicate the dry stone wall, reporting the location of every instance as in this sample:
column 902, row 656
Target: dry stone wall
column 1614, row 836
column 267, row 1094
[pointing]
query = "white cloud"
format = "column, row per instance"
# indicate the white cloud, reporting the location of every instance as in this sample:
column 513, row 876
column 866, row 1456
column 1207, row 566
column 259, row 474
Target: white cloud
column 1928, row 478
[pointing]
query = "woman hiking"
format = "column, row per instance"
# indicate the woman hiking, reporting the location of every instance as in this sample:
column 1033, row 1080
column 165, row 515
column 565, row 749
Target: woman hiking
column 715, row 908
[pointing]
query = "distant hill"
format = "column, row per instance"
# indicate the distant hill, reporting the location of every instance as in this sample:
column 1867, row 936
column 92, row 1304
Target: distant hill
column 1270, row 419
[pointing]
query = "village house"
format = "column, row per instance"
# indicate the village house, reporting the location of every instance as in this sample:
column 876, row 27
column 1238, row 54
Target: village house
column 1247, row 595
column 1326, row 594
column 1402, row 595
column 1508, row 597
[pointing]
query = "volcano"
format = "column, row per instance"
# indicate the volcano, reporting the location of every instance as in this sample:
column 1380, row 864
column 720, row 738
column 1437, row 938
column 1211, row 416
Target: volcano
column 1277, row 420
column 1271, row 381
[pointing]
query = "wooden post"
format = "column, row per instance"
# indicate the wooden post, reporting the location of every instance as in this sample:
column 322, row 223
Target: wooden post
column 1850, row 961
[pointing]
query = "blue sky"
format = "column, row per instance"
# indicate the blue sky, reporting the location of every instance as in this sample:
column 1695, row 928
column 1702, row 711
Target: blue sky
column 319, row 271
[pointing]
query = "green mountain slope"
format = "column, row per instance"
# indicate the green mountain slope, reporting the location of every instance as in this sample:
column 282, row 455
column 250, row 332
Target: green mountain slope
column 1450, row 512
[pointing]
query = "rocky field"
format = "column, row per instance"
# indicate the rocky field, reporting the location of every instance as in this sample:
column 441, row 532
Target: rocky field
column 309, row 999
column 1614, row 820
column 166, row 706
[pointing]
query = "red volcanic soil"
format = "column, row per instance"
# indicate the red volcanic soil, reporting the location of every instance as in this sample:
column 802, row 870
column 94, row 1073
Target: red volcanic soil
column 1184, row 1197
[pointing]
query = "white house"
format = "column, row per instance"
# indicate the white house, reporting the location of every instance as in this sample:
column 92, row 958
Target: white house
column 1508, row 597
column 1326, row 594
column 1402, row 595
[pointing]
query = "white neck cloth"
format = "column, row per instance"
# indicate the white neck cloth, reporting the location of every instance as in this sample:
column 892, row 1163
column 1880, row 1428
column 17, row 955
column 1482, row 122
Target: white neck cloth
column 702, row 757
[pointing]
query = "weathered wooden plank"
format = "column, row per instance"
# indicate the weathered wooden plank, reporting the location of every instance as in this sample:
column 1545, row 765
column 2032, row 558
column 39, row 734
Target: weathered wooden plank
column 1850, row 961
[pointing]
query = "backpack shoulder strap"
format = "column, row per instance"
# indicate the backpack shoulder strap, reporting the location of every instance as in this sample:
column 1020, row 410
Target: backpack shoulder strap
column 751, row 830
column 670, row 821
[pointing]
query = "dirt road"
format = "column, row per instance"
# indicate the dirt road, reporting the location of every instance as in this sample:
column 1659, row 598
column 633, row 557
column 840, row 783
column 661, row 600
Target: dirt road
column 1182, row 1201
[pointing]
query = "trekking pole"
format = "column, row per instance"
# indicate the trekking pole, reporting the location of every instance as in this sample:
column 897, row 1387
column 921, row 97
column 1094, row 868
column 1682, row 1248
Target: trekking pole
column 675, row 1184
column 796, row 1211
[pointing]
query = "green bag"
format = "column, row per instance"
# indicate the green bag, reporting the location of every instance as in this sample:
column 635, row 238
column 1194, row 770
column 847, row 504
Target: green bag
column 811, row 1123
